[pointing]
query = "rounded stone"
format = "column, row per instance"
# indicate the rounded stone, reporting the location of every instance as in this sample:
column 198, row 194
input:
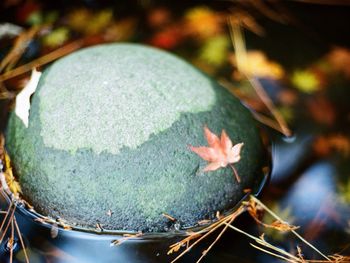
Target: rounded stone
column 108, row 135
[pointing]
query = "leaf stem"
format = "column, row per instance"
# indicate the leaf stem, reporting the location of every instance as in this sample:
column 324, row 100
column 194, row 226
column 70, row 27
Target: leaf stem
column 235, row 173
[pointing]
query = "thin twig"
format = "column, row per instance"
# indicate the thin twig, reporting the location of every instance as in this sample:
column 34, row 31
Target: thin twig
column 42, row 60
column 336, row 259
column 8, row 224
column 237, row 38
column 11, row 241
column 269, row 104
column 21, row 240
column 7, row 213
column 209, row 230
column 20, row 45
column 188, row 248
column 271, row 253
column 263, row 242
column 267, row 121
column 169, row 217
column 125, row 237
column 241, row 59
column 267, row 11
column 204, row 253
column 292, row 230
column 325, row 2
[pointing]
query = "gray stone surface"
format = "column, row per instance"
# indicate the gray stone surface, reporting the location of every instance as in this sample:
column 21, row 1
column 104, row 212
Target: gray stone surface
column 109, row 129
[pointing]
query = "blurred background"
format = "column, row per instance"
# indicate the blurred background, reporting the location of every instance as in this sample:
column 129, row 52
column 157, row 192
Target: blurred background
column 296, row 52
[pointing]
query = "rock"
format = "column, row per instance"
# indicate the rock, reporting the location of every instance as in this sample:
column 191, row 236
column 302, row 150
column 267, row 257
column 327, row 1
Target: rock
column 109, row 129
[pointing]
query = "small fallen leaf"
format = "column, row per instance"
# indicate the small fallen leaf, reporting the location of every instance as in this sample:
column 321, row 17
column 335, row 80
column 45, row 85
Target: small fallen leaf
column 282, row 226
column 325, row 145
column 220, row 152
column 125, row 237
column 257, row 64
column 204, row 222
column 339, row 58
column 109, row 213
column 247, row 190
column 158, row 17
column 203, row 22
column 168, row 38
column 306, row 81
column 215, row 50
column 10, row 179
column 54, row 231
column 23, row 98
column 56, row 38
column 321, row 110
column 99, row 22
column 169, row 217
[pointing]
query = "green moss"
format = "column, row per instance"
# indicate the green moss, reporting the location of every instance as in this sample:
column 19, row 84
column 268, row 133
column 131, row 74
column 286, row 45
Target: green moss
column 137, row 180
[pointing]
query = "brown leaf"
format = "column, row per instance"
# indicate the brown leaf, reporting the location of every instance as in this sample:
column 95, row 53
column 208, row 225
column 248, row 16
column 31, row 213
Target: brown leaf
column 321, row 110
column 126, row 237
column 325, row 145
column 339, row 58
column 282, row 226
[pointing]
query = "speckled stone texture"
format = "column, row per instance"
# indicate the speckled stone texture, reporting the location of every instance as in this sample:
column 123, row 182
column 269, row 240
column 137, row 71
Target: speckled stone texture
column 109, row 129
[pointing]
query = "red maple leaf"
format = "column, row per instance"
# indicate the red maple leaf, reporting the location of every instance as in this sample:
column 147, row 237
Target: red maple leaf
column 220, row 152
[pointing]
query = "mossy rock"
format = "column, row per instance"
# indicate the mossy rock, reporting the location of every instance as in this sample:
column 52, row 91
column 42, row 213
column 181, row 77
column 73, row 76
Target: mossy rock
column 109, row 130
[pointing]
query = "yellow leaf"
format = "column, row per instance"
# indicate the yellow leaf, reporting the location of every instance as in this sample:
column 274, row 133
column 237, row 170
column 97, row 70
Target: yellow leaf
column 57, row 37
column 203, row 22
column 257, row 64
column 10, row 179
column 305, row 81
column 99, row 22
